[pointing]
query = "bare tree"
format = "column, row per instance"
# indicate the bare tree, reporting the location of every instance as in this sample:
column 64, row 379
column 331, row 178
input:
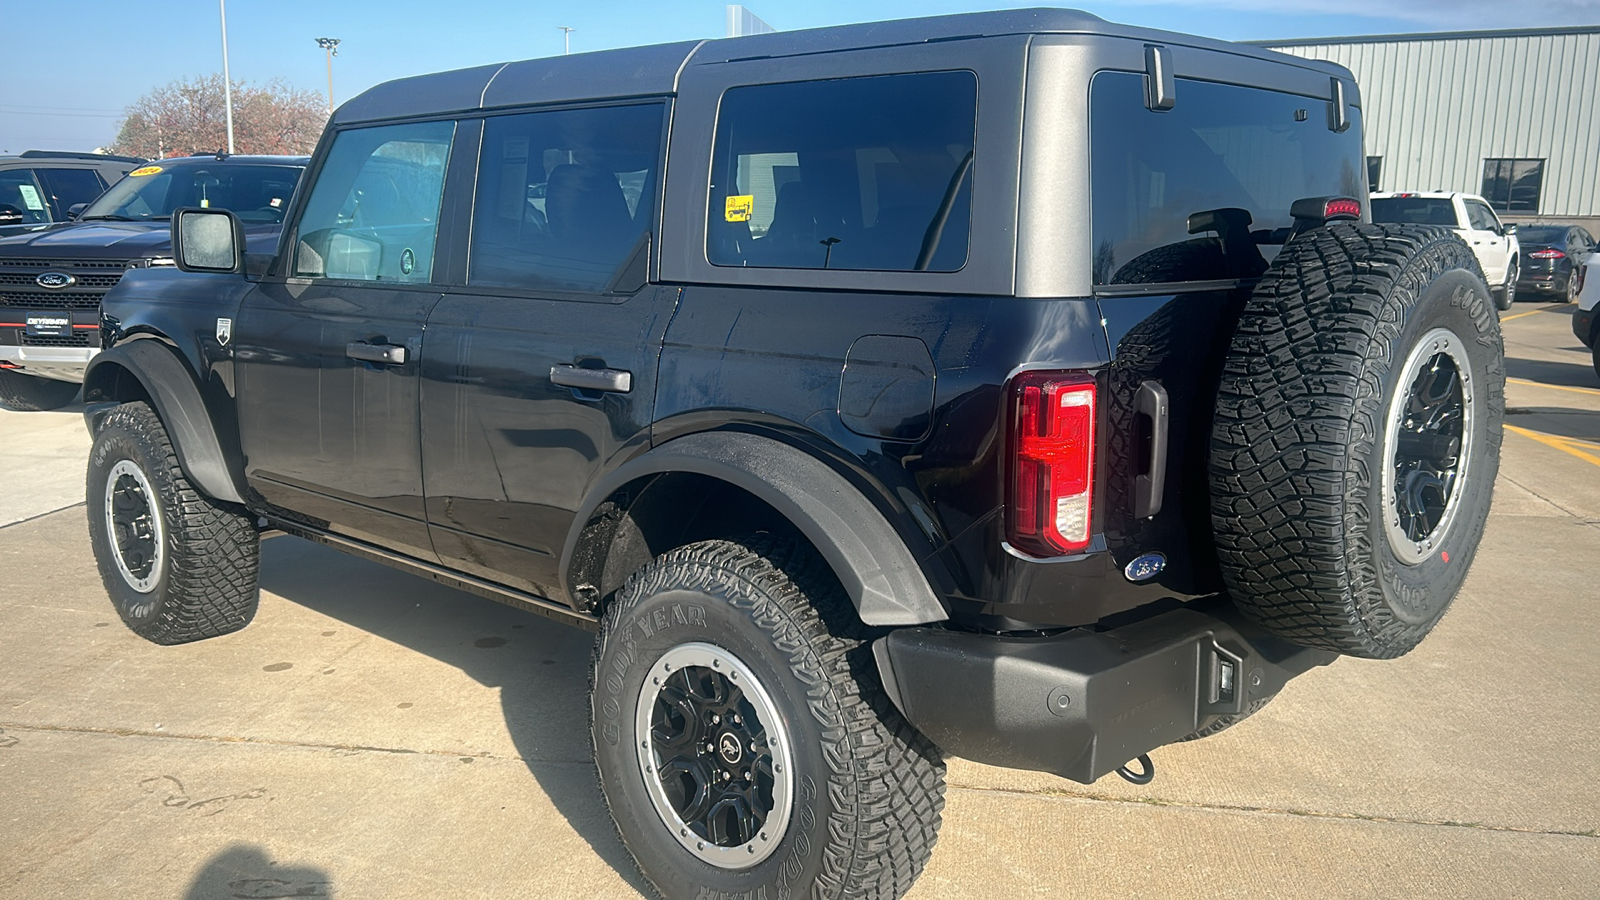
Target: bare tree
column 186, row 116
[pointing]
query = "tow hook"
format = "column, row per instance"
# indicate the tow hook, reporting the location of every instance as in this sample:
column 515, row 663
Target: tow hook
column 1145, row 777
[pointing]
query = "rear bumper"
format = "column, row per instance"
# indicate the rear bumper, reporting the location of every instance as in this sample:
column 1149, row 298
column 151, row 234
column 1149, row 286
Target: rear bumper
column 59, row 363
column 1083, row 703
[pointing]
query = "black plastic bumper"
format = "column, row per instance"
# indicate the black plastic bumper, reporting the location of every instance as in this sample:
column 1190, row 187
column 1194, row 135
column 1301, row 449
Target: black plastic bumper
column 1083, row 703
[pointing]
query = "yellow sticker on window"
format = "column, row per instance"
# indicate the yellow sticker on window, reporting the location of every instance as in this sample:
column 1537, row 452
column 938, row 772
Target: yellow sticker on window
column 144, row 170
column 739, row 207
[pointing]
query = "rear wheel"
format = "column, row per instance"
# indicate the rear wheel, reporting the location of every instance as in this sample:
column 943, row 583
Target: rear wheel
column 30, row 393
column 178, row 565
column 1357, row 437
column 744, row 744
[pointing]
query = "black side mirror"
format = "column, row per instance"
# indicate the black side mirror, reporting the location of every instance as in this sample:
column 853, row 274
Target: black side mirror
column 10, row 215
column 207, row 240
column 76, row 210
column 1508, row 229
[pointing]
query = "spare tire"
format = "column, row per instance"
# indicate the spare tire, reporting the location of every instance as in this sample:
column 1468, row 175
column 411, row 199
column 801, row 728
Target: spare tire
column 1357, row 437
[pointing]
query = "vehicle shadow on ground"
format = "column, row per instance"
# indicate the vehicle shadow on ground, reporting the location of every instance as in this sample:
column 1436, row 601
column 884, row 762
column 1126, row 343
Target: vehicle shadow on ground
column 541, row 667
column 244, row 870
column 1573, row 374
column 1557, row 421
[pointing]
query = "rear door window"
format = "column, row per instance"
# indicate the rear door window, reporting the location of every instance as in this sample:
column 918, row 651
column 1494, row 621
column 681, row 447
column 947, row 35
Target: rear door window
column 373, row 214
column 1202, row 191
column 563, row 196
column 870, row 173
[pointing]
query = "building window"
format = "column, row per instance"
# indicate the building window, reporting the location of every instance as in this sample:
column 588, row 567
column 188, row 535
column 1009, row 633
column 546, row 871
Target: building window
column 1374, row 170
column 1512, row 185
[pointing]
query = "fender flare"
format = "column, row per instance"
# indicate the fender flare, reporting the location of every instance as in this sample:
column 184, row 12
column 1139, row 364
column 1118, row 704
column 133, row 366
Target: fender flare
column 871, row 560
column 178, row 404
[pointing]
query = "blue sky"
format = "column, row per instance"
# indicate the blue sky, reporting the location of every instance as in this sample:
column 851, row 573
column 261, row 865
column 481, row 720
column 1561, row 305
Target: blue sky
column 88, row 59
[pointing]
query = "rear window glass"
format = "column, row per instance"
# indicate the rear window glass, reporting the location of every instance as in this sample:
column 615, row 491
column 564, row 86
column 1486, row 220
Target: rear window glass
column 857, row 173
column 1533, row 234
column 1202, row 191
column 1415, row 211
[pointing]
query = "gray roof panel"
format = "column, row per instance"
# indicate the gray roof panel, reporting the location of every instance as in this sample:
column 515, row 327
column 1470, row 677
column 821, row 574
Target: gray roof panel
column 638, row 71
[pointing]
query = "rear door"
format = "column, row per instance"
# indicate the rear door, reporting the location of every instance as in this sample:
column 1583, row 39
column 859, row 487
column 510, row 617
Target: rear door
column 1189, row 207
column 539, row 374
column 328, row 355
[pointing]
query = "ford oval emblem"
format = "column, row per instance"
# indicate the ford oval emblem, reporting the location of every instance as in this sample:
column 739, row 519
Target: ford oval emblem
column 55, row 281
column 1145, row 567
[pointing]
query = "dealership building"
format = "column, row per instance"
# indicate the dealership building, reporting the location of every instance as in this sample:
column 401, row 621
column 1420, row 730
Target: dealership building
column 1513, row 115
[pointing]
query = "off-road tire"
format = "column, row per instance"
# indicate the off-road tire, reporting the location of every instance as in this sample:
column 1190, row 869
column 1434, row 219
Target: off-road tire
column 30, row 393
column 869, row 790
column 205, row 581
column 1297, row 451
column 1197, row 259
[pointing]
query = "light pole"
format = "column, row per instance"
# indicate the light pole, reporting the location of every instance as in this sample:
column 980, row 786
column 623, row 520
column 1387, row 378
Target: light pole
column 332, row 46
column 566, row 38
column 227, row 80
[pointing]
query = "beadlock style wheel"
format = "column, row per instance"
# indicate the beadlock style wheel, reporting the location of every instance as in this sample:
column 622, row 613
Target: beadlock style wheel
column 1427, row 445
column 715, row 758
column 133, row 519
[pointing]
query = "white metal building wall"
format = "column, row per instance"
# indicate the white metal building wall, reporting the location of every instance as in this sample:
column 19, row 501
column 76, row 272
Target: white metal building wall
column 1436, row 106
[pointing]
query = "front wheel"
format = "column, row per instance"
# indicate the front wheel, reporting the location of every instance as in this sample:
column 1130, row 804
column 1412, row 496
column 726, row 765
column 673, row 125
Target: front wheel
column 178, row 565
column 744, row 744
column 1507, row 295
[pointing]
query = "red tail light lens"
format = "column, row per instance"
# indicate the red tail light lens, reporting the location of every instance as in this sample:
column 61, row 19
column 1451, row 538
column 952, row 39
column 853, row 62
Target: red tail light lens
column 1547, row 254
column 1342, row 208
column 1051, row 491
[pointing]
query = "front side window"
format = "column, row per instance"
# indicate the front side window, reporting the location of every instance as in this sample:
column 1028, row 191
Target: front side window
column 563, row 196
column 373, row 214
column 1512, row 185
column 1481, row 216
column 256, row 194
column 22, row 200
column 1202, row 191
column 857, row 173
column 69, row 187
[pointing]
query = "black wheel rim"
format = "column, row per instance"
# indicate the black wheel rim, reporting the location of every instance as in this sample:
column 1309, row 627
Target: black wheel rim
column 1429, row 443
column 713, row 756
column 133, row 523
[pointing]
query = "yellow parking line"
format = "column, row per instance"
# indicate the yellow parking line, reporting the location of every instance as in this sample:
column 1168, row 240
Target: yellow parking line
column 1505, row 319
column 1555, row 442
column 1553, row 387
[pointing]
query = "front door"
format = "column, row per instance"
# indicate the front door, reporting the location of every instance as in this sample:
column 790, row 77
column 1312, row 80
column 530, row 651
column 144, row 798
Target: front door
column 1489, row 242
column 329, row 355
column 540, row 374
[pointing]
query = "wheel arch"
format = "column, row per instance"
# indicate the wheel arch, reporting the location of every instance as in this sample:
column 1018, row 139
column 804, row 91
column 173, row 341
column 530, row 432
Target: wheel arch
column 717, row 484
column 149, row 370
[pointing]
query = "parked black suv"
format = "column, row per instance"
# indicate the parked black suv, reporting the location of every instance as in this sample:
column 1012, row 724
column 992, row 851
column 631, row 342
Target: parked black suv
column 52, row 277
column 38, row 187
column 1014, row 385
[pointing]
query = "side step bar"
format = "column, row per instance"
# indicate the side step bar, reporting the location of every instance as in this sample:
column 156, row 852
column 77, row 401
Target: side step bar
column 550, row 609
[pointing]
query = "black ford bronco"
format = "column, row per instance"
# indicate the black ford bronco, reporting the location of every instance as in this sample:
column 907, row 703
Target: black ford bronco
column 1016, row 386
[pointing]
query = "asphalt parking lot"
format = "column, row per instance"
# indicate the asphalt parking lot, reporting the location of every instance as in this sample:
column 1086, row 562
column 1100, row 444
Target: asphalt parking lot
column 373, row 735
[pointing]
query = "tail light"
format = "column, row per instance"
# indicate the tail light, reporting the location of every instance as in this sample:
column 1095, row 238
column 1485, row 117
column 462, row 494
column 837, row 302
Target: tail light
column 1547, row 254
column 1051, row 491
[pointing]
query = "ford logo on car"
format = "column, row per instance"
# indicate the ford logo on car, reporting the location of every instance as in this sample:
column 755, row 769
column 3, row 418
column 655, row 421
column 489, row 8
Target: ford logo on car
column 55, row 281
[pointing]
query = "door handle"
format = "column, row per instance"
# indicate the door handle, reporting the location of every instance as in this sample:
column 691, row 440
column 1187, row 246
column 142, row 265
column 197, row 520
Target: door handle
column 615, row 381
column 382, row 354
column 1151, row 402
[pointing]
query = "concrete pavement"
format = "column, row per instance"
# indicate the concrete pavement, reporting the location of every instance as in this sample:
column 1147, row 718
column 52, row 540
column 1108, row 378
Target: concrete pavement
column 374, row 735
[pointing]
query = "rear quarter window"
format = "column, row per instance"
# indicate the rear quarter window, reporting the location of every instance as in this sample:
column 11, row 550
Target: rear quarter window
column 1202, row 192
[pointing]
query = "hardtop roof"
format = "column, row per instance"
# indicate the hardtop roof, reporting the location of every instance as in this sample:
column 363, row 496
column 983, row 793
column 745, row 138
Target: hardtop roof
column 654, row 70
